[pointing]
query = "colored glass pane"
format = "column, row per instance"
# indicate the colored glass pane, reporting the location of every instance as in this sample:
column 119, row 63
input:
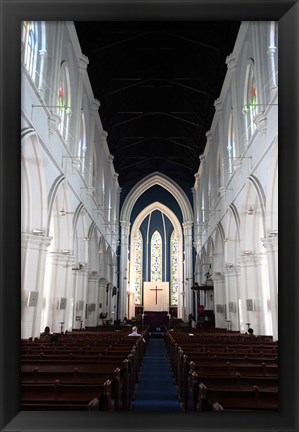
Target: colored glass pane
column 156, row 257
column 174, row 269
column 138, row 268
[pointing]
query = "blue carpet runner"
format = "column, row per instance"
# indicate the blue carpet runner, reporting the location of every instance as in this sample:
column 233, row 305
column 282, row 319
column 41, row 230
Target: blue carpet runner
column 156, row 389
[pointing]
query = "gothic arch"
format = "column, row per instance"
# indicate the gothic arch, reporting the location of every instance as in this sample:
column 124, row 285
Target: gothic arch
column 34, row 211
column 177, row 227
column 166, row 183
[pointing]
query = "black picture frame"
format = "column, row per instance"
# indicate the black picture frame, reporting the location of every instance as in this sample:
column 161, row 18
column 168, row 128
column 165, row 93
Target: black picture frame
column 12, row 13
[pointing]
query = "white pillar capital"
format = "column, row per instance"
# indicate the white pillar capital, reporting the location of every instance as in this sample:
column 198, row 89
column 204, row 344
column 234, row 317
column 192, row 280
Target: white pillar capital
column 218, row 105
column 231, row 63
column 202, row 158
column 270, row 244
column 218, row 277
column 187, row 227
column 95, row 105
column 43, row 53
column 104, row 136
column 82, row 64
column 260, row 121
column 37, row 242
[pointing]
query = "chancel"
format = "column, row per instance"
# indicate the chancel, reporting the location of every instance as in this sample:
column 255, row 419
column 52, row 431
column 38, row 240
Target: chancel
column 149, row 158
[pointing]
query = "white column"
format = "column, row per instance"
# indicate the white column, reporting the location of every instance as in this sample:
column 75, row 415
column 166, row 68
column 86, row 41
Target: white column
column 124, row 267
column 79, row 293
column 219, row 298
column 231, row 296
column 271, row 245
column 196, row 207
column 260, row 66
column 103, row 296
column 188, row 276
column 82, row 66
column 232, row 68
column 93, row 298
column 33, row 254
column 95, row 105
column 53, row 100
column 254, row 287
column 58, row 284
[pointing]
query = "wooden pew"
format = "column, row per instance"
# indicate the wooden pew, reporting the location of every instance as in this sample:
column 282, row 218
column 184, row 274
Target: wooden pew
column 228, row 368
column 219, row 370
column 231, row 399
column 88, row 368
column 65, row 395
column 236, row 382
column 78, row 378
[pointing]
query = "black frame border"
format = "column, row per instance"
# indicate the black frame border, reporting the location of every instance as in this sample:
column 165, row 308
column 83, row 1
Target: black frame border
column 12, row 12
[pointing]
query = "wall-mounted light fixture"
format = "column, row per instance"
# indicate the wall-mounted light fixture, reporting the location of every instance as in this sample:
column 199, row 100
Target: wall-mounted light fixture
column 66, row 251
column 62, row 212
column 37, row 231
column 250, row 211
column 247, row 252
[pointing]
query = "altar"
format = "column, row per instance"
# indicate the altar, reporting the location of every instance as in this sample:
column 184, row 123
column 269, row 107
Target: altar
column 156, row 320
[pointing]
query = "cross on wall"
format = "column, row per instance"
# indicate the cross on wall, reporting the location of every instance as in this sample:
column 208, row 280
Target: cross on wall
column 156, row 290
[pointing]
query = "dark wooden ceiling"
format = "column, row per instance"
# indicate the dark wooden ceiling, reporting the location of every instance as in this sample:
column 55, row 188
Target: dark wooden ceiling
column 157, row 83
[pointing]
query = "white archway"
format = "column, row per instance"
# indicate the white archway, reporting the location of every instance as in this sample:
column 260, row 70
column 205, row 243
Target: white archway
column 156, row 179
column 179, row 234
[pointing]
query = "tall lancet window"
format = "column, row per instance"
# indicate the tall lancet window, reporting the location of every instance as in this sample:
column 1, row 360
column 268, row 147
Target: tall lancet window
column 250, row 100
column 31, row 42
column 82, row 143
column 231, row 146
column 138, row 268
column 174, row 269
column 64, row 100
column 156, row 257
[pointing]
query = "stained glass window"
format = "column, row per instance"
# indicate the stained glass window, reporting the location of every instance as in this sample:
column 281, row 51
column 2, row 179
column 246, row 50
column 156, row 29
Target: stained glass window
column 231, row 147
column 138, row 268
column 174, row 270
column 156, row 257
column 250, row 100
column 64, row 100
column 30, row 42
column 82, row 143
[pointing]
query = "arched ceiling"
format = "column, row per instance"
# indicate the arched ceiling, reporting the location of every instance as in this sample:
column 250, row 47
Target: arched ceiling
column 157, row 83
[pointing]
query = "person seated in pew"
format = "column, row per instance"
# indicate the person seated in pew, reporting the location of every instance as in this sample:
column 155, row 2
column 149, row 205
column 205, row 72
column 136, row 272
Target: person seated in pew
column 134, row 332
column 251, row 332
column 46, row 332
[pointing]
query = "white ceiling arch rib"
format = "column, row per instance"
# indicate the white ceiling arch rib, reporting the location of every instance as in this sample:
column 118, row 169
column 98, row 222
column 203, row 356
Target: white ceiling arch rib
column 165, row 182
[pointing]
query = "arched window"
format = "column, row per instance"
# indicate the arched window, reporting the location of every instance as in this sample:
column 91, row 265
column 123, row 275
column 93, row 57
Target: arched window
column 272, row 51
column 174, row 284
column 138, row 268
column 203, row 210
column 34, row 51
column 109, row 207
column 64, row 100
column 218, row 173
column 231, row 144
column 30, row 46
column 156, row 257
column 250, row 100
column 82, row 143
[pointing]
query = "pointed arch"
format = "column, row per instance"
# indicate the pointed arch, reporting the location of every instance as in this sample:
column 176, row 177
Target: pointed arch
column 166, row 183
